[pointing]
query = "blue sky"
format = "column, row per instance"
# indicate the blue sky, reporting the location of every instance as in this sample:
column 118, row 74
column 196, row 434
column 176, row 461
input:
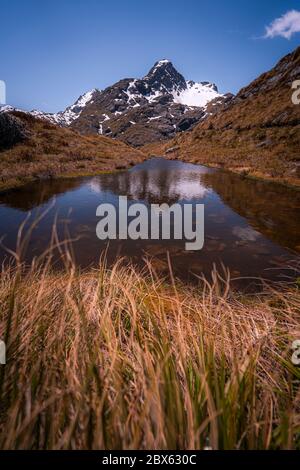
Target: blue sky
column 53, row 51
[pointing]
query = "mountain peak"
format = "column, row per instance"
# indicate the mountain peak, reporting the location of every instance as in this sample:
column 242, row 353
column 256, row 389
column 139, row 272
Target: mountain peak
column 161, row 104
column 164, row 77
column 162, row 65
column 162, row 62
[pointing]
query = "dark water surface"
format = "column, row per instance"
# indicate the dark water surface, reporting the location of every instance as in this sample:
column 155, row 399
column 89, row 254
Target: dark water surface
column 252, row 227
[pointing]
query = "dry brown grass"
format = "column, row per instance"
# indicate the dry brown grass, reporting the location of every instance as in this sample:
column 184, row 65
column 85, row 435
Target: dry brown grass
column 240, row 151
column 120, row 359
column 52, row 151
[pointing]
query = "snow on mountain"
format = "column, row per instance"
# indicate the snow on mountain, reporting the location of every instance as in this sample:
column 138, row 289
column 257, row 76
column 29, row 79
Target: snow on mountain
column 65, row 118
column 164, row 79
column 140, row 110
column 160, row 104
column 197, row 94
column 73, row 112
column 162, row 62
column 54, row 118
column 5, row 108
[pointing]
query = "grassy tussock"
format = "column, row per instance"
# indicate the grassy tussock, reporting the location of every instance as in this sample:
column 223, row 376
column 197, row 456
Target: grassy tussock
column 120, row 359
column 51, row 151
column 240, row 151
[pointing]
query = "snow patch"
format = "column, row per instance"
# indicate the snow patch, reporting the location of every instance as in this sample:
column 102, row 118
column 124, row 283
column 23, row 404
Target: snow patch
column 153, row 96
column 196, row 94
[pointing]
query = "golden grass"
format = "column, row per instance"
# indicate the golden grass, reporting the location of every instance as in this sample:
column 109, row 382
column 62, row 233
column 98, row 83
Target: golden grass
column 52, row 152
column 114, row 358
column 239, row 151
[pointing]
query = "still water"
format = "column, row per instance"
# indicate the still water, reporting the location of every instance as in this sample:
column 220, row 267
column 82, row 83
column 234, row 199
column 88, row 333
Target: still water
column 251, row 227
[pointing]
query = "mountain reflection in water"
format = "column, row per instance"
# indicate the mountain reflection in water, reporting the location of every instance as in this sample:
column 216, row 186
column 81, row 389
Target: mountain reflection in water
column 252, row 227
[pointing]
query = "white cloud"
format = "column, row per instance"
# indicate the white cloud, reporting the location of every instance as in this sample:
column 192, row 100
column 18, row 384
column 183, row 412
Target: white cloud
column 285, row 26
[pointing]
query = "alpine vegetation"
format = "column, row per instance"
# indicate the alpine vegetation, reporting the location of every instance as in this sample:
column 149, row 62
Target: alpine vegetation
column 119, row 359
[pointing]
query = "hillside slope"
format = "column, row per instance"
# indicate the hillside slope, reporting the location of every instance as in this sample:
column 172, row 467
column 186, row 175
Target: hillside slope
column 50, row 151
column 256, row 133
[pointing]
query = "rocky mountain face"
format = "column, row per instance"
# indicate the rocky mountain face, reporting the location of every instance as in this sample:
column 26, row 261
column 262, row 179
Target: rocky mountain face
column 257, row 132
column 139, row 111
column 12, row 131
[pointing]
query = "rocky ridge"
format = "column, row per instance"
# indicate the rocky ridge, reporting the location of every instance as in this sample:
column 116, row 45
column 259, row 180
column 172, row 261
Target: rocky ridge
column 139, row 111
